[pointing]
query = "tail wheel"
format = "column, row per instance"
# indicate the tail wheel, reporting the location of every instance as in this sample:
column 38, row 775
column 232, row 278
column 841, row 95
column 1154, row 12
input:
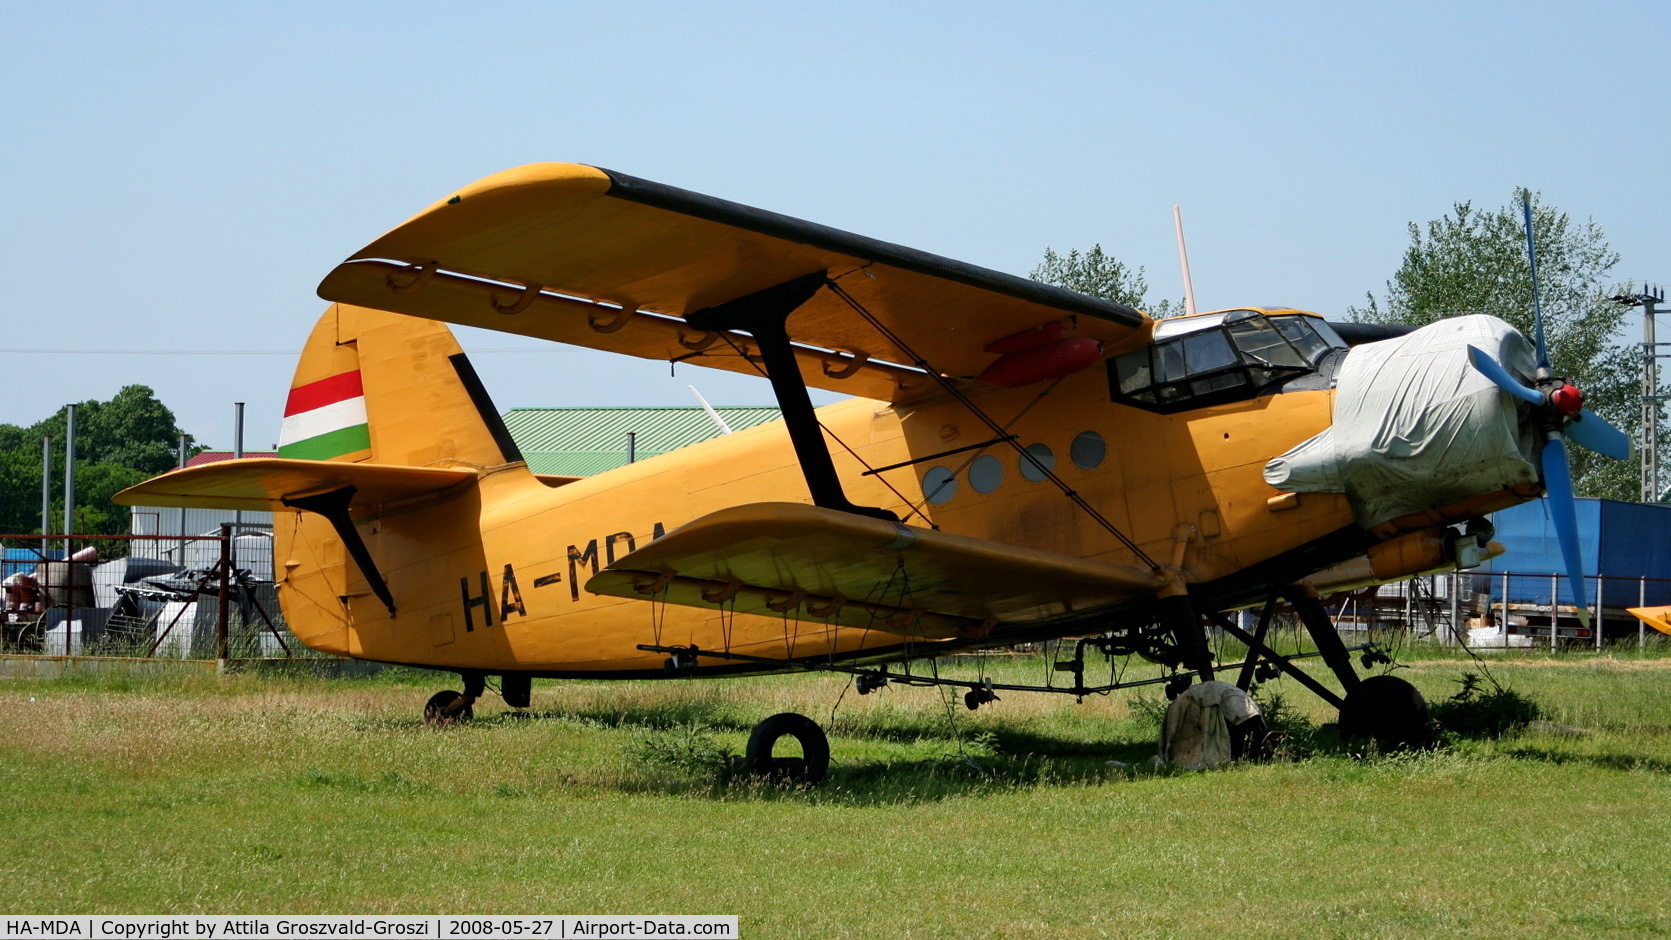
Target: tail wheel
column 1387, row 709
column 810, row 767
column 443, row 709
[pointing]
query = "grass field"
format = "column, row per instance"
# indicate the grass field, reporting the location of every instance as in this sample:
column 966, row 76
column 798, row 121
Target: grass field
column 288, row 795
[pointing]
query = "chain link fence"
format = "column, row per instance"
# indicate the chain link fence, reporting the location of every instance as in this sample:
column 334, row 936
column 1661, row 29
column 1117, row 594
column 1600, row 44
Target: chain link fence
column 213, row 597
column 209, row 596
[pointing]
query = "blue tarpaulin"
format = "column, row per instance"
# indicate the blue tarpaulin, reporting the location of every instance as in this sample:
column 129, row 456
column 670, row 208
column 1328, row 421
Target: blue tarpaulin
column 1625, row 542
column 24, row 559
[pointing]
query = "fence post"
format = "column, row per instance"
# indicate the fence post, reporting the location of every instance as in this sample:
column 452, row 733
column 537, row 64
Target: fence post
column 69, row 525
column 1554, row 597
column 1641, row 601
column 221, row 611
column 1457, row 632
column 1504, row 626
column 1601, row 588
column 69, row 598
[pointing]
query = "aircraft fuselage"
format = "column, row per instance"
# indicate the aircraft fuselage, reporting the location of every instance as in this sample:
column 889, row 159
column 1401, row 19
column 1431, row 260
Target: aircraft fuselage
column 509, row 592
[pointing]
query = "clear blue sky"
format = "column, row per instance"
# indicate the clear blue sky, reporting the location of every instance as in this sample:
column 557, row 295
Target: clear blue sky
column 181, row 175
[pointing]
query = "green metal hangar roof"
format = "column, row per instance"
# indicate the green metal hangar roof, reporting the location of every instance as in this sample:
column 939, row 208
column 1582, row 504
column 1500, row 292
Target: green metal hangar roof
column 581, row 442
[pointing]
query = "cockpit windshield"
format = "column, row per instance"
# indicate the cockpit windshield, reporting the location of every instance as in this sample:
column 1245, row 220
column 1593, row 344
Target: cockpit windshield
column 1220, row 358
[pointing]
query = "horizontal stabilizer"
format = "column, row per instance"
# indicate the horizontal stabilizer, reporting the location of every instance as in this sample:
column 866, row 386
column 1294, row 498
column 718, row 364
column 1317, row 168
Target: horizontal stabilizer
column 1657, row 617
column 263, row 483
column 820, row 565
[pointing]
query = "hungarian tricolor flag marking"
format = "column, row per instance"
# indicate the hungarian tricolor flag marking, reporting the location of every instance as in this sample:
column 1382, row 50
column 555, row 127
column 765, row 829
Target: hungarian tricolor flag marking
column 325, row 419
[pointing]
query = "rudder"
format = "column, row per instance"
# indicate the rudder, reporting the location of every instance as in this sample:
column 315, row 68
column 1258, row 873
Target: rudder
column 385, row 388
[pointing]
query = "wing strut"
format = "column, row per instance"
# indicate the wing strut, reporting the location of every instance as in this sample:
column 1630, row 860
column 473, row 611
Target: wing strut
column 334, row 507
column 763, row 315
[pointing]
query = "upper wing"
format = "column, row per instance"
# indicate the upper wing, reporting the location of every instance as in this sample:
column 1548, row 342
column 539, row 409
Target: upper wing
column 263, row 483
column 596, row 258
column 791, row 559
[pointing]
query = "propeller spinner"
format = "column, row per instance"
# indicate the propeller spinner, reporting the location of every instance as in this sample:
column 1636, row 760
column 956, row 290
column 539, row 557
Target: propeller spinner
column 1560, row 414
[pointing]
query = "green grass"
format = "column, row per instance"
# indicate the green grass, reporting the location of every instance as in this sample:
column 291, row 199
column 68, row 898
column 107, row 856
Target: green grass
column 272, row 794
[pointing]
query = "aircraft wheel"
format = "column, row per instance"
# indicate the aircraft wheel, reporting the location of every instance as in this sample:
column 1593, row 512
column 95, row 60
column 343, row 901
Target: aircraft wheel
column 1247, row 740
column 1387, row 709
column 436, row 709
column 810, row 767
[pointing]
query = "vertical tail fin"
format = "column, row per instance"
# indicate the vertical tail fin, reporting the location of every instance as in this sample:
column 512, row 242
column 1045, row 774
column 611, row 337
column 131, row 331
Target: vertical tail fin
column 385, row 388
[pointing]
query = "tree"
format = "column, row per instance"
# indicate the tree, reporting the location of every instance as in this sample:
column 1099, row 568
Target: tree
column 95, row 484
column 20, row 488
column 132, row 429
column 1101, row 275
column 1472, row 261
column 118, row 443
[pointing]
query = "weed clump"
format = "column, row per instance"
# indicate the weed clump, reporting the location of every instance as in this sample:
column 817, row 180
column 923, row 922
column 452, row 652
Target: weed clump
column 1475, row 712
column 1289, row 734
column 1148, row 709
column 689, row 747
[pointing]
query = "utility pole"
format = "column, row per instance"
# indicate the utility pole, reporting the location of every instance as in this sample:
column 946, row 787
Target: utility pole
column 181, row 552
column 238, row 453
column 1649, row 299
column 69, row 481
column 46, row 491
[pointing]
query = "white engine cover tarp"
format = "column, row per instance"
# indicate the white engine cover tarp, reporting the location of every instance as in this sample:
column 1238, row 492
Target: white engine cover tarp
column 1416, row 426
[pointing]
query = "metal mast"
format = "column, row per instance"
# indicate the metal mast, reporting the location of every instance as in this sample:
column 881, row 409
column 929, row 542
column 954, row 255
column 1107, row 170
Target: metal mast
column 69, row 487
column 1649, row 299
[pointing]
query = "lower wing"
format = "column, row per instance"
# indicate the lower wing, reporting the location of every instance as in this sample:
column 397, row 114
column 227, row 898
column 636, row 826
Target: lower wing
column 792, row 559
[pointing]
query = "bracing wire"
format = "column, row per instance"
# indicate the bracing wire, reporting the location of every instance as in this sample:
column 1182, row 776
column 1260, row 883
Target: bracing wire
column 951, row 389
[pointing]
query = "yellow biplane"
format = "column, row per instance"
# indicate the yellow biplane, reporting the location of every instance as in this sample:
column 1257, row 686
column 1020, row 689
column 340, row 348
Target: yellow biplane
column 1017, row 462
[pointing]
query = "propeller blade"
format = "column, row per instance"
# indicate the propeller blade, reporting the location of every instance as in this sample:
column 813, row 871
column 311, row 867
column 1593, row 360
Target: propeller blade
column 1537, row 303
column 1499, row 376
column 1592, row 431
column 1563, row 511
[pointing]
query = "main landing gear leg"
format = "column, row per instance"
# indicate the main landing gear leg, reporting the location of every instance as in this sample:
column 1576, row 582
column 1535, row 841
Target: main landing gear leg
column 1321, row 627
column 1180, row 615
column 1385, row 708
column 447, row 707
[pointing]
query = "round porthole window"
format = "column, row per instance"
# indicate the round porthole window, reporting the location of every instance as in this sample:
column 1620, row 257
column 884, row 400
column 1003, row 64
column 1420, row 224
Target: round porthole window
column 986, row 473
column 939, row 486
column 1037, row 462
column 1088, row 450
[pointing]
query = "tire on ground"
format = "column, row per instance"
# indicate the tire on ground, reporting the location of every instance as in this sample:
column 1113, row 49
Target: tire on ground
column 435, row 710
column 810, row 767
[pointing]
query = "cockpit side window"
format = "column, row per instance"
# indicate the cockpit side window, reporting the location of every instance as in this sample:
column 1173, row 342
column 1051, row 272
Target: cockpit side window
column 1263, row 345
column 1133, row 372
column 1207, row 352
column 1232, row 358
column 1169, row 362
column 1304, row 336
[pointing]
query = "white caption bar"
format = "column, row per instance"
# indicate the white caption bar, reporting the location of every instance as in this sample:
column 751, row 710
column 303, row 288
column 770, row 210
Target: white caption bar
column 465, row 927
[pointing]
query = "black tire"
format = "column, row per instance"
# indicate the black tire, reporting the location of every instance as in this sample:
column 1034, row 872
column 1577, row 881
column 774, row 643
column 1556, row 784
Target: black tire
column 810, row 767
column 1387, row 709
column 435, row 710
column 1247, row 740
